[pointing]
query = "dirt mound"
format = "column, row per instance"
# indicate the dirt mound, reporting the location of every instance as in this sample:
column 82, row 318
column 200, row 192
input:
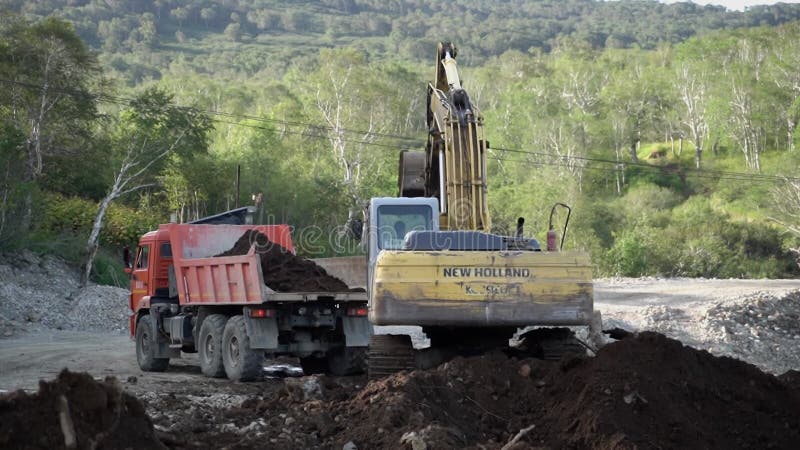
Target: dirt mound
column 646, row 391
column 653, row 392
column 283, row 271
column 101, row 416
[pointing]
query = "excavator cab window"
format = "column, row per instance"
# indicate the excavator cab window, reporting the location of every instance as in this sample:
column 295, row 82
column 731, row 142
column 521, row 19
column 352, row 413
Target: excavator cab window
column 395, row 221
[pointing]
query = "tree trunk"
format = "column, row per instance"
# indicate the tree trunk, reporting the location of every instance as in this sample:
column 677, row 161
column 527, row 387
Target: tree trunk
column 93, row 244
column 698, row 155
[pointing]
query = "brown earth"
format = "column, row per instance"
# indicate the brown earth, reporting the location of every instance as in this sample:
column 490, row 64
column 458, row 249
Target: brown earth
column 646, row 391
column 284, row 271
column 103, row 416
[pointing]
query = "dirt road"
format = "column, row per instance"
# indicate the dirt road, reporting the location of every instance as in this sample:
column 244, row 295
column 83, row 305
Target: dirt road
column 676, row 307
column 757, row 321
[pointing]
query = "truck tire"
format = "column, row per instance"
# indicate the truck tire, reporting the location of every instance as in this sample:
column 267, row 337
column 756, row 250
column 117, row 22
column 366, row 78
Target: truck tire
column 210, row 345
column 146, row 344
column 241, row 362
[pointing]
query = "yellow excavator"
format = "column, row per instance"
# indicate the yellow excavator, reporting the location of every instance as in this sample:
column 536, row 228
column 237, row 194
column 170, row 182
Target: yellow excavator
column 433, row 262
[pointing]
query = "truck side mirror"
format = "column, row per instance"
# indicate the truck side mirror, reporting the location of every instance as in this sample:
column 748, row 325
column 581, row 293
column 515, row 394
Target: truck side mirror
column 126, row 259
column 355, row 228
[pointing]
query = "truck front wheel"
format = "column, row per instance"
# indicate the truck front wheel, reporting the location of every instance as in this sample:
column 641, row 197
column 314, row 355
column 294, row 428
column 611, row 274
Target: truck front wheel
column 210, row 345
column 241, row 362
column 146, row 342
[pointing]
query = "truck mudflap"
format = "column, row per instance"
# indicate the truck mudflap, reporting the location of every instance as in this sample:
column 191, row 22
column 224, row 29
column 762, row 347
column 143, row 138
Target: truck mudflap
column 482, row 288
column 263, row 331
column 357, row 331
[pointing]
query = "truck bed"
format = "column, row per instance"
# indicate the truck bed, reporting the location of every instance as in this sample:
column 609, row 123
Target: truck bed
column 204, row 279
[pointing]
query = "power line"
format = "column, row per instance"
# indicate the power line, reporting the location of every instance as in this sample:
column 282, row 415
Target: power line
column 618, row 171
column 414, row 143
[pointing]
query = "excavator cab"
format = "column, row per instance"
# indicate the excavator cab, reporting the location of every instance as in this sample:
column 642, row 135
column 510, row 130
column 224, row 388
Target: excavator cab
column 389, row 220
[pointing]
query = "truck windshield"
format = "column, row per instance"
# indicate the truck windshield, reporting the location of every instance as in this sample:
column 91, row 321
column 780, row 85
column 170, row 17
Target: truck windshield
column 394, row 221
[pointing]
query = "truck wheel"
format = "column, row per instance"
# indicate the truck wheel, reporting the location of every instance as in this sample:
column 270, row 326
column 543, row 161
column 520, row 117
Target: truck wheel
column 146, row 348
column 347, row 360
column 210, row 345
column 241, row 362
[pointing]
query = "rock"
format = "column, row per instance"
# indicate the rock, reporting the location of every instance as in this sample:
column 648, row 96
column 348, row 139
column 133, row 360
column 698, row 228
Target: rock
column 289, row 421
column 414, row 440
column 525, row 370
column 350, row 445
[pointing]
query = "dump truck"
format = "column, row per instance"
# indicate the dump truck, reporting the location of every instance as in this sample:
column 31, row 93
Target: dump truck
column 185, row 298
column 434, row 262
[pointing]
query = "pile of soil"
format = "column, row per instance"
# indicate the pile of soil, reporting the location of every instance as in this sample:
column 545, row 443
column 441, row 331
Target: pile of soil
column 102, row 416
column 284, row 271
column 653, row 392
column 646, row 391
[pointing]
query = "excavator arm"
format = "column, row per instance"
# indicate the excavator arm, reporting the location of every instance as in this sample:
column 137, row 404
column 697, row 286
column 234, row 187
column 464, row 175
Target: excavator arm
column 453, row 167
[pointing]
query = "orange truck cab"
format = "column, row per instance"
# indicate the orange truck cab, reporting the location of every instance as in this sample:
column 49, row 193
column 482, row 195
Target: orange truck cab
column 184, row 299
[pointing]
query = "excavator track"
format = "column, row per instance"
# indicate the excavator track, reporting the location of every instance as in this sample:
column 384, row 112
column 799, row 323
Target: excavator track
column 551, row 344
column 389, row 354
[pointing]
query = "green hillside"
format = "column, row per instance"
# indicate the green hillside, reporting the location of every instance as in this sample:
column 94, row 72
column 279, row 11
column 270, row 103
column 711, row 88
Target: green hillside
column 143, row 39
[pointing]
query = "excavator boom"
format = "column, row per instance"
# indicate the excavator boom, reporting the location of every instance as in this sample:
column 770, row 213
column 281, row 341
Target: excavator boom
column 453, row 167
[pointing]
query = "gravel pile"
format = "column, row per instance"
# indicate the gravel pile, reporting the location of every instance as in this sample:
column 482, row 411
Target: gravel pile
column 41, row 292
column 662, row 318
column 762, row 329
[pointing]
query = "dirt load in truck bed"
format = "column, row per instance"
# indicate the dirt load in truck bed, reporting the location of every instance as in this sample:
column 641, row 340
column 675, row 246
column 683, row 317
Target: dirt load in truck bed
column 283, row 271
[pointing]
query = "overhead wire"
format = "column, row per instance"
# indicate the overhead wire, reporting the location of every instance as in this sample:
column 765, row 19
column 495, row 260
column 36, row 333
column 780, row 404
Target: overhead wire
column 414, row 143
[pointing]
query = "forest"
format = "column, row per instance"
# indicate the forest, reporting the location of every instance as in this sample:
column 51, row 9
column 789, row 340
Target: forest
column 672, row 136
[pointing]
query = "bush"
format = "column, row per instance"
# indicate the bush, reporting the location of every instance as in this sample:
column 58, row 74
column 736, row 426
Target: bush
column 121, row 226
column 637, row 251
column 695, row 241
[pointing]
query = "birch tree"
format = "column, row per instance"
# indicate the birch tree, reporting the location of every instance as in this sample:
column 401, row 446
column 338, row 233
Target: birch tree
column 360, row 105
column 693, row 93
column 47, row 72
column 150, row 132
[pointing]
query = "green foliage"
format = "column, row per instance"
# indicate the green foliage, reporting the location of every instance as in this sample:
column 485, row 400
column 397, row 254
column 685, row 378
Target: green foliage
column 61, row 216
column 316, row 98
column 635, row 252
column 698, row 241
column 406, row 28
column 108, row 269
